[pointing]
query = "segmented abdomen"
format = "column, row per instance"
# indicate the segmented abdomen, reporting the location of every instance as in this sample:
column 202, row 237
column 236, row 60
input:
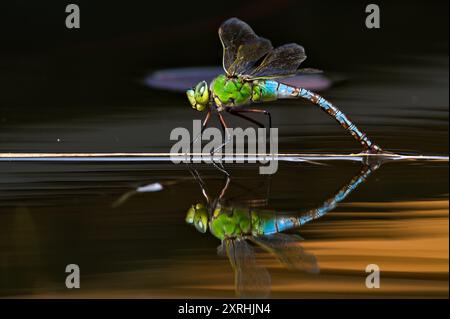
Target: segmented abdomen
column 267, row 223
column 283, row 91
column 273, row 224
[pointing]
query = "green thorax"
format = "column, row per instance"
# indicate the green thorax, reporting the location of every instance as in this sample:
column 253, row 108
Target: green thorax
column 228, row 222
column 229, row 92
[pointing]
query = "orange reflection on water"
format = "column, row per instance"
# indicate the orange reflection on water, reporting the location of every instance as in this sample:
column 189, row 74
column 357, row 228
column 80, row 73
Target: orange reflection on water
column 407, row 240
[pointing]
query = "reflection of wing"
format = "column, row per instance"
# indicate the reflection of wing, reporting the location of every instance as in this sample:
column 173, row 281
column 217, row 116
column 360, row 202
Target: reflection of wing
column 241, row 46
column 281, row 62
column 178, row 80
column 288, row 251
column 222, row 250
column 251, row 280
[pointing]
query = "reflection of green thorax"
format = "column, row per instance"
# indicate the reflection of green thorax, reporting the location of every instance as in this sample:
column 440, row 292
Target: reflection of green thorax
column 230, row 222
column 231, row 92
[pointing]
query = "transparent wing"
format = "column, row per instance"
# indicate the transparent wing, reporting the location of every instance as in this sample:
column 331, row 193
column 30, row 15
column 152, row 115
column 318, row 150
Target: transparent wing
column 287, row 249
column 281, row 62
column 222, row 249
column 251, row 280
column 310, row 81
column 241, row 46
column 178, row 80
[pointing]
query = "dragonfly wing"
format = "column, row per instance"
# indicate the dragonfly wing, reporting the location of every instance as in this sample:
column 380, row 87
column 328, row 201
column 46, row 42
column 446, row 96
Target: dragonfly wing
column 241, row 46
column 309, row 71
column 281, row 62
column 222, row 250
column 251, row 280
column 287, row 249
column 179, row 79
column 315, row 82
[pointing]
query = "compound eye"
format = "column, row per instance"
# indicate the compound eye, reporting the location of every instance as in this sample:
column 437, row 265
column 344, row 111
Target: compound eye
column 190, row 215
column 201, row 218
column 202, row 93
column 200, row 107
column 201, row 226
column 191, row 97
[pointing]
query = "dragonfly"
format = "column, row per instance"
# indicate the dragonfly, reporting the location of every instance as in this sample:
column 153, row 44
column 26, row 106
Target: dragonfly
column 240, row 228
column 255, row 72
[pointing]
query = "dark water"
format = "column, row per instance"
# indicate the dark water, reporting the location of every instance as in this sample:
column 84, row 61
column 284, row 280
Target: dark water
column 54, row 214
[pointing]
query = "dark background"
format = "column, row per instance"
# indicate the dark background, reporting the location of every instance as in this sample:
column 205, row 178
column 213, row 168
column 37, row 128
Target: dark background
column 81, row 90
column 48, row 71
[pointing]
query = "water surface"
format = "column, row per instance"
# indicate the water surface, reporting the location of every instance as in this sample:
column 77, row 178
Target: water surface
column 54, row 214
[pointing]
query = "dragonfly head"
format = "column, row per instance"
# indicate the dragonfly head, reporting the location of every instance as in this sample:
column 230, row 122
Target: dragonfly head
column 197, row 215
column 198, row 96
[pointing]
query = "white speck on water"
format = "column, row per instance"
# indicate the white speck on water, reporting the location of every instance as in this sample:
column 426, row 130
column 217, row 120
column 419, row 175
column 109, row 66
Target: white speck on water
column 155, row 187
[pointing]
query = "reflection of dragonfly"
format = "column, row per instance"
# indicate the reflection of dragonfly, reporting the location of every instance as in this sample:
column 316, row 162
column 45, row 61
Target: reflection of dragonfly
column 251, row 65
column 236, row 227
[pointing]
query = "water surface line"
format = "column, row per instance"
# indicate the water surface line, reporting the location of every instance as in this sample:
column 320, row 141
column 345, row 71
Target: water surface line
column 193, row 157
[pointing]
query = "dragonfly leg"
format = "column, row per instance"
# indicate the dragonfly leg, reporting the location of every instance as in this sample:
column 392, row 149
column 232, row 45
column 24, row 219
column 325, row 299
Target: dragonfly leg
column 219, row 199
column 224, row 132
column 227, row 140
column 256, row 200
column 205, row 121
column 265, row 112
column 200, row 182
column 219, row 166
column 237, row 113
column 228, row 135
column 225, row 187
